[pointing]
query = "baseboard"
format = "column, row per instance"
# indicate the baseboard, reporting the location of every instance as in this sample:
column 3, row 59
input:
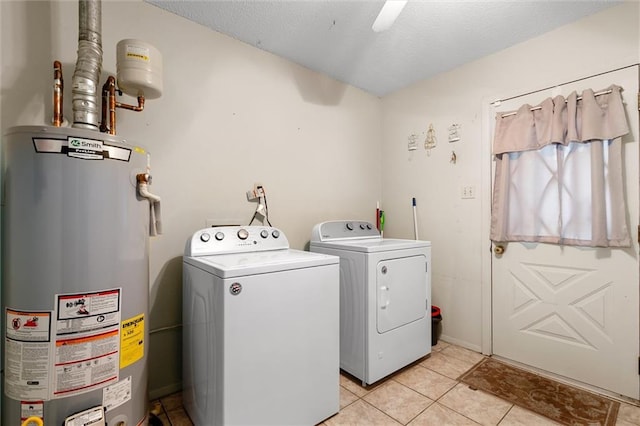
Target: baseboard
column 164, row 391
column 458, row 342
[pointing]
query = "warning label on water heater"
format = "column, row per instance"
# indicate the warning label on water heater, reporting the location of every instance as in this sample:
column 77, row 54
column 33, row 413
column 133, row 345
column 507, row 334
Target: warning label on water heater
column 131, row 340
column 85, row 363
column 31, row 409
column 83, row 312
column 27, row 354
column 87, row 341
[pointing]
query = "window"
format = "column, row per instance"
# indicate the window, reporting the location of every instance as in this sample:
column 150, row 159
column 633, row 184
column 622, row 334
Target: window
column 558, row 175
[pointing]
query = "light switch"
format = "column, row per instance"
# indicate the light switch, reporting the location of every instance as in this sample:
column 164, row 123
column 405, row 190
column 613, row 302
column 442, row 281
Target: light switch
column 468, row 191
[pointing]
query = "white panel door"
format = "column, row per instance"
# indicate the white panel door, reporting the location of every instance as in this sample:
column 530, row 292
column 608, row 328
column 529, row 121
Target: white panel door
column 574, row 311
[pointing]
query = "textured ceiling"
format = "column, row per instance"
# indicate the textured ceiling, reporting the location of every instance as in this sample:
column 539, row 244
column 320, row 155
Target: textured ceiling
column 429, row 37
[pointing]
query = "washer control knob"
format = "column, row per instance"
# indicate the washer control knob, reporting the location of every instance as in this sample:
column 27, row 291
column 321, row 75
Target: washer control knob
column 264, row 233
column 368, row 226
column 275, row 233
column 350, row 226
column 205, row 237
column 219, row 236
column 243, row 234
column 362, row 226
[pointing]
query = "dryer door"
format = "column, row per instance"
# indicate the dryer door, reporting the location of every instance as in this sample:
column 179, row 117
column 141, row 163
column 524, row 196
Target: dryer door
column 401, row 292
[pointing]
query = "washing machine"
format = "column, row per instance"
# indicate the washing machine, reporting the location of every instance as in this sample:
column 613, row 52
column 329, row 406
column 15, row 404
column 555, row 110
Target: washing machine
column 260, row 329
column 385, row 297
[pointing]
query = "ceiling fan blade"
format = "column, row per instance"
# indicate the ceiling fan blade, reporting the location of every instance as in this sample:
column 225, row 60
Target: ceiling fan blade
column 388, row 15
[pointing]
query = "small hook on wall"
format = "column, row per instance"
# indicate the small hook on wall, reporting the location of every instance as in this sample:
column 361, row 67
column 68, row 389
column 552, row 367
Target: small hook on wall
column 453, row 158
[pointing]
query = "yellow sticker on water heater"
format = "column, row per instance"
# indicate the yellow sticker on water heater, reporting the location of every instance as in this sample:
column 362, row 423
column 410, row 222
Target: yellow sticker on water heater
column 131, row 340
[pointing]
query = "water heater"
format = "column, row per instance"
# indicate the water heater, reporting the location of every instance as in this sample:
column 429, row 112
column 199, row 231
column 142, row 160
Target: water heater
column 74, row 276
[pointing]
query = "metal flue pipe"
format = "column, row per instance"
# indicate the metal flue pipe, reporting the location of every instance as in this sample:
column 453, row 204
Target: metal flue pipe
column 88, row 66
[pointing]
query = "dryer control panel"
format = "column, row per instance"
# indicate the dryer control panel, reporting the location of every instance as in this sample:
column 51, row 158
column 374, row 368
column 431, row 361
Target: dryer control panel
column 235, row 239
column 344, row 229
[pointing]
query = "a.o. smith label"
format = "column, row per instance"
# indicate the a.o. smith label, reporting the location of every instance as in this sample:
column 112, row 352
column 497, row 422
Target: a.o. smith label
column 83, row 148
column 87, row 149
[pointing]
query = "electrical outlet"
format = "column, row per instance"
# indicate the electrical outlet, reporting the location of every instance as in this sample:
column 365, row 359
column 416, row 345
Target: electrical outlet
column 468, row 191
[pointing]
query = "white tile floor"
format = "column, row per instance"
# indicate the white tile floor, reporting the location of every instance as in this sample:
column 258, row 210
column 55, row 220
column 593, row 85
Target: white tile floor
column 424, row 394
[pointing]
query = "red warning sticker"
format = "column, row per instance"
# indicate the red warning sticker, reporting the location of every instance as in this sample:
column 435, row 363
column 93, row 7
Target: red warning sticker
column 27, row 355
column 31, row 410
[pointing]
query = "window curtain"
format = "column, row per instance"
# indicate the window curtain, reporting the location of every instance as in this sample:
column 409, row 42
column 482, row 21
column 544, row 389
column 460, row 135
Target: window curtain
column 558, row 175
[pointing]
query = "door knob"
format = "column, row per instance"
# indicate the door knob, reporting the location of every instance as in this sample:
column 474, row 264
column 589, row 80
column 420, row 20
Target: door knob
column 498, row 249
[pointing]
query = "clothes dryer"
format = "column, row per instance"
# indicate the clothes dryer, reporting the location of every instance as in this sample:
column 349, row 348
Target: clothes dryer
column 260, row 329
column 385, row 297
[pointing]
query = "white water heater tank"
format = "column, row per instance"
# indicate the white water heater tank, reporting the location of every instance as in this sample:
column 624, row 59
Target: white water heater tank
column 75, row 276
column 139, row 68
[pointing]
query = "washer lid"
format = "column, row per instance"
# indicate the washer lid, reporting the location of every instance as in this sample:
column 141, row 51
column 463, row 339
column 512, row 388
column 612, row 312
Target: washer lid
column 372, row 245
column 242, row 264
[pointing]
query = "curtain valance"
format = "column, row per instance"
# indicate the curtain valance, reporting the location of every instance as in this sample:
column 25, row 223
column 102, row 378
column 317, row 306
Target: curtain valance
column 562, row 120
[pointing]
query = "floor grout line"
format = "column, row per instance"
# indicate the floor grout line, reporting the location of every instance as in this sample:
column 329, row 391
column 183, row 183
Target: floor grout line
column 164, row 413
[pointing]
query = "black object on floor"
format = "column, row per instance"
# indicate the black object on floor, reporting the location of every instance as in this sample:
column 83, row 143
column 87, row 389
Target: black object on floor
column 154, row 421
column 436, row 318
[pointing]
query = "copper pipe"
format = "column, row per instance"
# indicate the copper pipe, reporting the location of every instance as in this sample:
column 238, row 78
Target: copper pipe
column 112, row 104
column 58, row 93
column 109, row 103
column 138, row 108
column 105, row 94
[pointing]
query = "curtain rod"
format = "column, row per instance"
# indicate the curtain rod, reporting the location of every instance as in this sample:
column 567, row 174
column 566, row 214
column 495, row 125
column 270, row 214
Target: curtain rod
column 497, row 102
column 579, row 98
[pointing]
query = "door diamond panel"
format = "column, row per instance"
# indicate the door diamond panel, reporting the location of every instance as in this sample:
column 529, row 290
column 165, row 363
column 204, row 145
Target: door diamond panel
column 594, row 306
column 538, row 289
column 554, row 327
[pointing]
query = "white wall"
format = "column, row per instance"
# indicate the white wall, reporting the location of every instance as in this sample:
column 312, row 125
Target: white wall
column 231, row 115
column 599, row 43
